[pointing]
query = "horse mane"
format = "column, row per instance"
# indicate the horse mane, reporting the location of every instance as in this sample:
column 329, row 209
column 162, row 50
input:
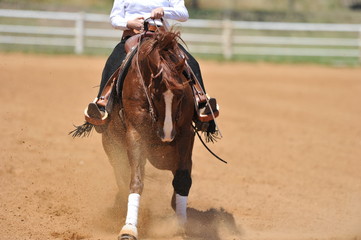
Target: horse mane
column 162, row 51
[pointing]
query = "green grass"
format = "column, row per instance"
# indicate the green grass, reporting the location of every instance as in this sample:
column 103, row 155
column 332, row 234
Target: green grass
column 95, row 6
column 335, row 62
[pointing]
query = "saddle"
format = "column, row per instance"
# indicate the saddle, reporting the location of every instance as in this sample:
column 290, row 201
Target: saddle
column 117, row 78
column 206, row 109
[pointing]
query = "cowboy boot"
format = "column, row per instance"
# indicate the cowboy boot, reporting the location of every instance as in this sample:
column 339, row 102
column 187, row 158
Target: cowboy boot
column 208, row 111
column 206, row 114
column 95, row 114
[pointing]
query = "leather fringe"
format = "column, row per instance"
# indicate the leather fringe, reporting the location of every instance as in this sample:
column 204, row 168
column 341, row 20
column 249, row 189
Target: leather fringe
column 211, row 134
column 82, row 130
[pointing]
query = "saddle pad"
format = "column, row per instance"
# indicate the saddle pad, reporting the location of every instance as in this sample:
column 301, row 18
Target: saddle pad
column 116, row 92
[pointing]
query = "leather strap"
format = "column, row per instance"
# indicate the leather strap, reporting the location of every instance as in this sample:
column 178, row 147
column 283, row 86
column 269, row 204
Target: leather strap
column 128, row 33
column 132, row 32
column 95, row 121
column 102, row 101
column 209, row 117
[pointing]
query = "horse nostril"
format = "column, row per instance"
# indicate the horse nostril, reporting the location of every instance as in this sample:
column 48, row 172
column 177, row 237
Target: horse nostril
column 167, row 140
column 164, row 138
column 174, row 133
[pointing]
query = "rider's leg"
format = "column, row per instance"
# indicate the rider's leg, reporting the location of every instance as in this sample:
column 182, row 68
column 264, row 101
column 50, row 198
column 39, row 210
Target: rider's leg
column 113, row 62
column 206, row 112
column 193, row 64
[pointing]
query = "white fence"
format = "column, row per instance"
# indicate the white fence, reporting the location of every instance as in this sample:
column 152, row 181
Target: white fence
column 228, row 38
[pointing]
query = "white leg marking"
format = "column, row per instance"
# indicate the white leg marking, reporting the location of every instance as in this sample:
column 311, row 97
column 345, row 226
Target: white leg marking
column 133, row 207
column 168, row 124
column 181, row 208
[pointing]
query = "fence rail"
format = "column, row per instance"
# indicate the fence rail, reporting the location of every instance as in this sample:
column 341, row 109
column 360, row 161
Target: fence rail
column 225, row 37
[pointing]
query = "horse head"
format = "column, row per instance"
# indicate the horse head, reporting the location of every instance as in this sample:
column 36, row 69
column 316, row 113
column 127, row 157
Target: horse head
column 164, row 65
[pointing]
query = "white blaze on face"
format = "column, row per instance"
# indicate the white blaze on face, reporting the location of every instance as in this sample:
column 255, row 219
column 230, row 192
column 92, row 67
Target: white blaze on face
column 168, row 124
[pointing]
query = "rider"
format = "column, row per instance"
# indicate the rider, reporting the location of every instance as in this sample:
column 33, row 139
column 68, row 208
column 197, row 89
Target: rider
column 129, row 16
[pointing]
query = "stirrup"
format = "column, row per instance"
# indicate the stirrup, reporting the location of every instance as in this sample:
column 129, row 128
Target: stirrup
column 205, row 113
column 94, row 116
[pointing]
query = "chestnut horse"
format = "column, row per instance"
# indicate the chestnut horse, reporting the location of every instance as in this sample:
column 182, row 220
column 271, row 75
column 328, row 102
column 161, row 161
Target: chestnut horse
column 154, row 123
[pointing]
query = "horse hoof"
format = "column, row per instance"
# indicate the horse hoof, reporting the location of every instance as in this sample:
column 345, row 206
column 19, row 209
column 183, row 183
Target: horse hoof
column 128, row 232
column 126, row 237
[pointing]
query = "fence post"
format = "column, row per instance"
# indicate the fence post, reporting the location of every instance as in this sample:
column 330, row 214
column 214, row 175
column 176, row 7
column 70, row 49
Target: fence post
column 359, row 44
column 79, row 33
column 227, row 43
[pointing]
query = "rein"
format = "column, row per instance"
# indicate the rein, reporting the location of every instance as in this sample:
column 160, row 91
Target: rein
column 205, row 145
column 158, row 74
column 151, row 108
column 150, row 102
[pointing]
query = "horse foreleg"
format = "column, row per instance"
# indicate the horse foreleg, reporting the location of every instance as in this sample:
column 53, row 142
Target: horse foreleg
column 137, row 164
column 182, row 183
column 182, row 180
column 129, row 230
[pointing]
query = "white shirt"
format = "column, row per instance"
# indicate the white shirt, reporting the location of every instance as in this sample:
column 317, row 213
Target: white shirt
column 125, row 10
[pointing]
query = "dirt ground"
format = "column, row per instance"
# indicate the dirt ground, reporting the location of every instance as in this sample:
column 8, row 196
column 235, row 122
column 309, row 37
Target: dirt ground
column 292, row 137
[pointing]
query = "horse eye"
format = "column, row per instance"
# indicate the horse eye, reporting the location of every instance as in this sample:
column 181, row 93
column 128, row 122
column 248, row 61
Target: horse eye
column 179, row 113
column 158, row 98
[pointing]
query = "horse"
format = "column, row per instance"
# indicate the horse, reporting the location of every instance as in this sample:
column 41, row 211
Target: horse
column 152, row 120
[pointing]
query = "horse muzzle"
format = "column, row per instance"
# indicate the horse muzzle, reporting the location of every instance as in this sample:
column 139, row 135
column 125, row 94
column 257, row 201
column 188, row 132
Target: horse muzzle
column 168, row 136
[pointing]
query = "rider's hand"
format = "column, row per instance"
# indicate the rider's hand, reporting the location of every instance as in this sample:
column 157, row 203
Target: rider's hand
column 136, row 24
column 157, row 13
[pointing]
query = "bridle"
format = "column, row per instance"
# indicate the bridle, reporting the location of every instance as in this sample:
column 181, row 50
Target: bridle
column 142, row 81
column 152, row 109
column 147, row 29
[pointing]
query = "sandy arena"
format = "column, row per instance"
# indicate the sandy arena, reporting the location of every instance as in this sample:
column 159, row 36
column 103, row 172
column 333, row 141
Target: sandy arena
column 292, row 137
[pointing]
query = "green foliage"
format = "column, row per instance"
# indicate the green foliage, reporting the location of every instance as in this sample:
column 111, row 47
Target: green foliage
column 326, row 11
column 247, row 10
column 103, row 6
column 335, row 62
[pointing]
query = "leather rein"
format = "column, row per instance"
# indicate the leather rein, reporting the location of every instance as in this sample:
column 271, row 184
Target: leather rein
column 150, row 102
